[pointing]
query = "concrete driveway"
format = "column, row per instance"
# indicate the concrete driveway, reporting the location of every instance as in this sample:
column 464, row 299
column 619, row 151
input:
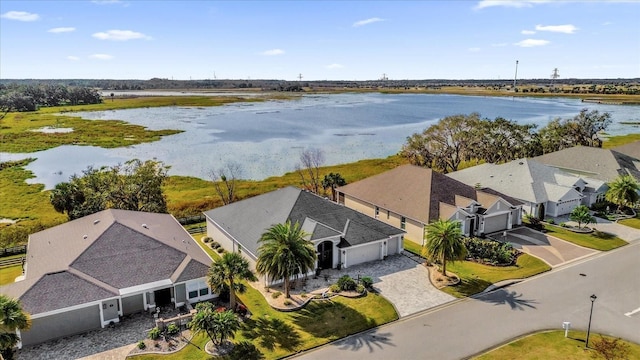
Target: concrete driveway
column 549, row 249
column 403, row 282
column 624, row 232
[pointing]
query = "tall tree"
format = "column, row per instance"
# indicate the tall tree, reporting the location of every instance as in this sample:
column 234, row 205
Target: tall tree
column 218, row 326
column 12, row 317
column 623, row 191
column 136, row 186
column 309, row 168
column 332, row 181
column 224, row 181
column 284, row 253
column 502, row 140
column 444, row 243
column 230, row 270
column 444, row 145
column 590, row 124
column 581, row 215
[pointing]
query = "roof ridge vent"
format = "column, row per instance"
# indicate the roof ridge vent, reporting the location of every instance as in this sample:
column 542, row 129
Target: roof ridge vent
column 145, row 226
column 96, row 221
column 85, row 236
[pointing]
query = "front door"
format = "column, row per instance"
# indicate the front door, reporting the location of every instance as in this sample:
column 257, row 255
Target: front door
column 163, row 297
column 325, row 255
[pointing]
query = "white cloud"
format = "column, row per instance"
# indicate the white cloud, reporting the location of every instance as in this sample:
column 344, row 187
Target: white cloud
column 120, row 35
column 59, row 30
column 20, row 16
column 474, row 49
column 73, row 58
column 565, row 29
column 509, row 3
column 273, row 52
column 334, row 66
column 527, row 32
column 101, row 57
column 367, row 21
column 531, row 43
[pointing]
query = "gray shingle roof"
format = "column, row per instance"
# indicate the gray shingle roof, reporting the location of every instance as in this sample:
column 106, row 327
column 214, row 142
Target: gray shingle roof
column 123, row 257
column 60, row 290
column 248, row 219
column 194, row 270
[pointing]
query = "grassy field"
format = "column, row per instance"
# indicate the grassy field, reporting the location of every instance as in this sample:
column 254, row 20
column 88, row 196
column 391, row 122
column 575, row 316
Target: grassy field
column 592, row 241
column 9, row 273
column 633, row 222
column 475, row 277
column 277, row 334
column 552, row 345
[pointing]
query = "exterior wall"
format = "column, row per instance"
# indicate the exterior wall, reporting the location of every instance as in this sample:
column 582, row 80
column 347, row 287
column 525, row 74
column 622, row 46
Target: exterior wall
column 562, row 207
column 63, row 324
column 218, row 235
column 414, row 229
column 361, row 254
column 197, row 290
column 132, row 304
column 110, row 310
column 361, row 206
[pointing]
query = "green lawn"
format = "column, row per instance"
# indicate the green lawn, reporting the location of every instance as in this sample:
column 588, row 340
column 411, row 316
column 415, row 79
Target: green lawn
column 9, row 273
column 604, row 243
column 552, row 345
column 277, row 334
column 475, row 277
column 413, row 247
column 633, row 222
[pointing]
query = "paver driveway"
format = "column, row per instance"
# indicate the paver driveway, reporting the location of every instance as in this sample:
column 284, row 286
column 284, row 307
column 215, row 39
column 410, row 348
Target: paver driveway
column 549, row 249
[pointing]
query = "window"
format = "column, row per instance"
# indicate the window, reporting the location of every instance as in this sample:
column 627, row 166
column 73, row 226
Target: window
column 403, row 223
column 193, row 294
column 204, row 291
column 387, row 214
column 377, row 212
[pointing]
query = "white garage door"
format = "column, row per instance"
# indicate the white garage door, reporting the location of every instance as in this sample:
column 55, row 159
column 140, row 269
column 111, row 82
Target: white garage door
column 361, row 254
column 392, row 246
column 495, row 223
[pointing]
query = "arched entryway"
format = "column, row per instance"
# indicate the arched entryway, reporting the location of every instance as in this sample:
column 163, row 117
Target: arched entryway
column 325, row 255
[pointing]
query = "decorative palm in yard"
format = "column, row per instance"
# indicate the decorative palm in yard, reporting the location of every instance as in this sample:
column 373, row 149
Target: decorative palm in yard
column 333, row 180
column 444, row 243
column 231, row 268
column 284, row 253
column 219, row 325
column 623, row 191
column 582, row 215
column 12, row 317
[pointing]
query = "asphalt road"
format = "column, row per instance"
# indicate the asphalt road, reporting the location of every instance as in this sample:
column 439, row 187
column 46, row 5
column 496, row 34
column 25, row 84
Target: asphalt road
column 467, row 327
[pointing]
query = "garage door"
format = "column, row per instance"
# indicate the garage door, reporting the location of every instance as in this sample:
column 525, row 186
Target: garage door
column 64, row 324
column 361, row 254
column 392, row 246
column 495, row 223
column 132, row 304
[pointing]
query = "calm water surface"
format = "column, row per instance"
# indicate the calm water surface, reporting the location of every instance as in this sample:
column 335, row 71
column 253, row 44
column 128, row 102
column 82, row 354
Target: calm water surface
column 267, row 138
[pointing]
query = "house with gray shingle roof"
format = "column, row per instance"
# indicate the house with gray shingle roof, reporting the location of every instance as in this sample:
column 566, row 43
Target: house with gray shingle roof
column 544, row 190
column 342, row 237
column 92, row 271
column 596, row 163
column 411, row 197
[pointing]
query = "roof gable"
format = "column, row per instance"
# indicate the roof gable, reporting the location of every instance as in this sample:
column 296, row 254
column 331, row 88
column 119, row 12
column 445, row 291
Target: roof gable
column 193, row 270
column 123, row 257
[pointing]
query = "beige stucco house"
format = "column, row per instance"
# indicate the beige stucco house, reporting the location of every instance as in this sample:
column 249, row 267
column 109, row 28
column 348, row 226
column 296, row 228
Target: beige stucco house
column 410, row 197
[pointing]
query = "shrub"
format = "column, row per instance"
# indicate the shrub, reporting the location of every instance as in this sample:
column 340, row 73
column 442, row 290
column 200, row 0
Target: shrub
column 303, row 295
column 367, row 281
column 346, row 283
column 334, row 288
column 173, row 329
column 276, row 294
column 141, row 345
column 220, row 250
column 360, row 288
column 288, row 302
column 215, row 245
column 154, row 333
column 563, row 224
column 207, row 239
column 490, row 251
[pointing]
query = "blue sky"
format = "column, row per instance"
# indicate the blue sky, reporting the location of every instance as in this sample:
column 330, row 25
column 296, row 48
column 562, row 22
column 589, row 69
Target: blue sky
column 322, row 40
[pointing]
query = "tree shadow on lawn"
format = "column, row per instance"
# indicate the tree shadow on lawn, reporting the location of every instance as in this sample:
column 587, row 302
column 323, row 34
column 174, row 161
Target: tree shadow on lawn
column 511, row 298
column 271, row 332
column 470, row 286
column 243, row 350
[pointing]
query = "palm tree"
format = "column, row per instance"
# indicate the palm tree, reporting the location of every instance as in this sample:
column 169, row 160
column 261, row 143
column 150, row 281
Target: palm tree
column 12, row 317
column 219, row 326
column 333, row 181
column 623, row 191
column 581, row 215
column 285, row 253
column 444, row 243
column 231, row 269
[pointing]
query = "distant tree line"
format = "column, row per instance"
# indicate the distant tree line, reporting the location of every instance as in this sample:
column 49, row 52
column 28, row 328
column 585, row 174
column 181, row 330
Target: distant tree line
column 29, row 97
column 458, row 138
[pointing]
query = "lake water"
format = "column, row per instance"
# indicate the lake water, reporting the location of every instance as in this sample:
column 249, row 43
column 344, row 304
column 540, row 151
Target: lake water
column 267, row 138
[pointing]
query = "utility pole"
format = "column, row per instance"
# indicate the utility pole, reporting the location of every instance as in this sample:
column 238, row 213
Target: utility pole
column 554, row 76
column 515, row 77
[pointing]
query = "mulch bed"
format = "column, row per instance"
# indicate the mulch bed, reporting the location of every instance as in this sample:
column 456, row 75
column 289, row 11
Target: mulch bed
column 173, row 343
